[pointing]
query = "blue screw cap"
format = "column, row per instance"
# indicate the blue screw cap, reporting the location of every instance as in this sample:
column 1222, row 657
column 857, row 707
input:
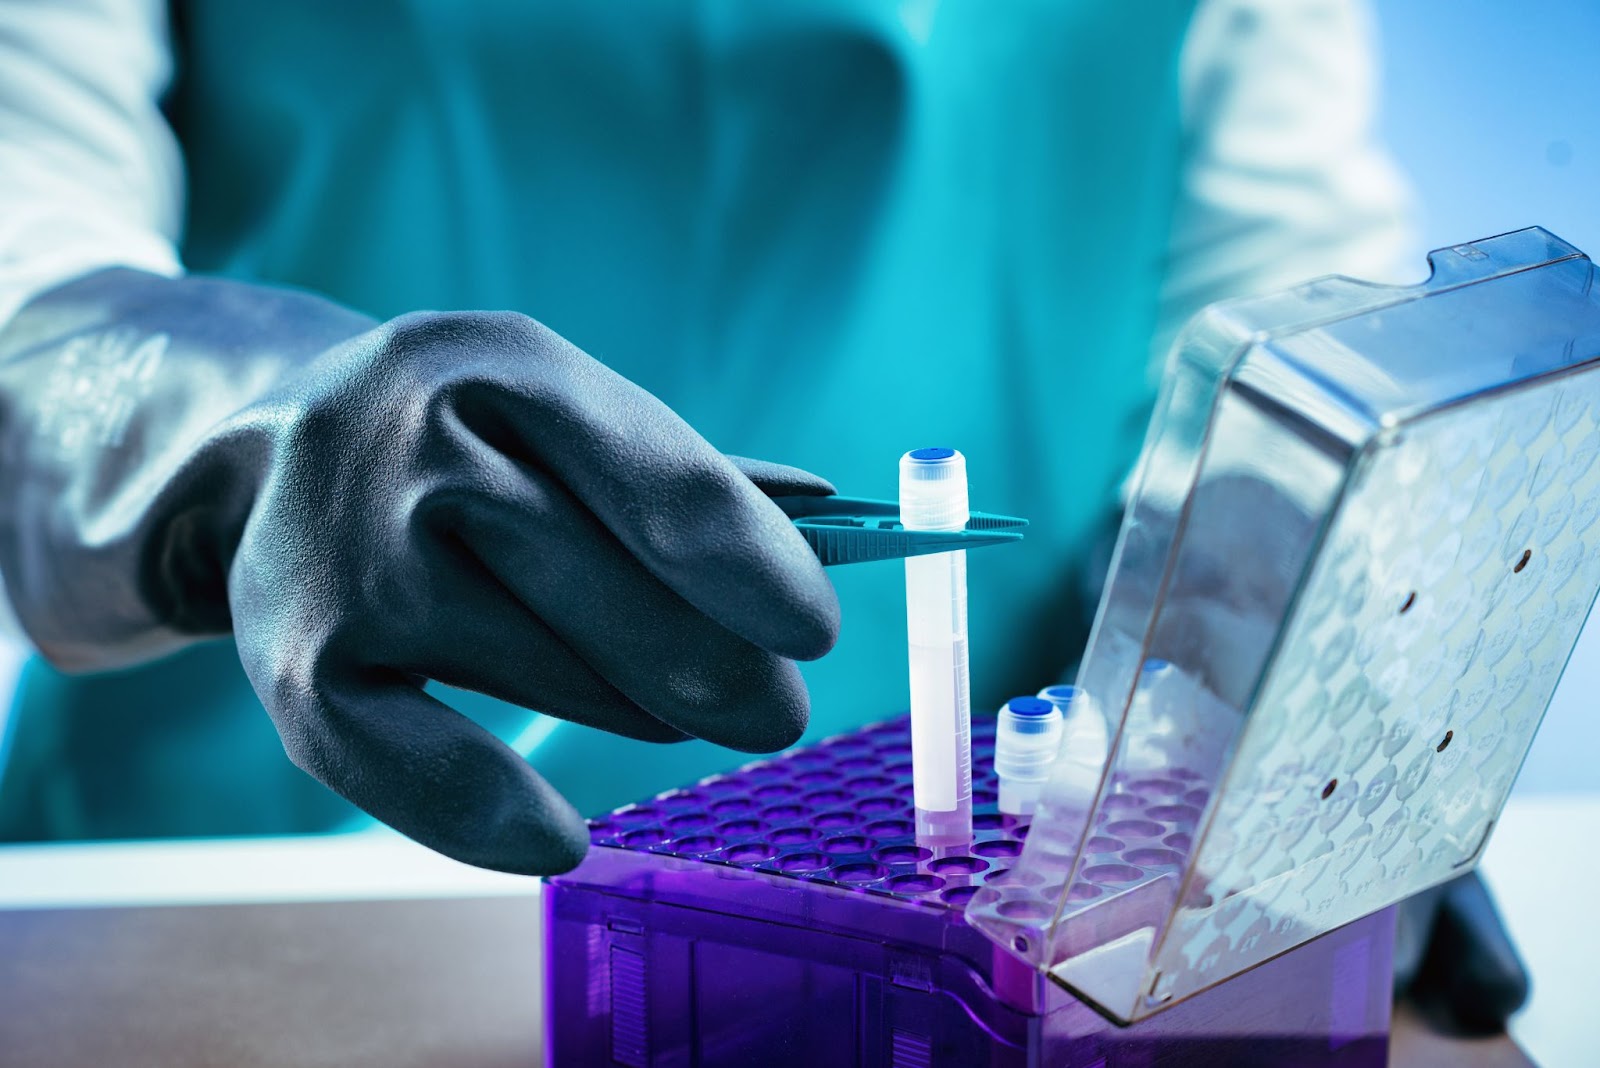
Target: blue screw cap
column 1030, row 706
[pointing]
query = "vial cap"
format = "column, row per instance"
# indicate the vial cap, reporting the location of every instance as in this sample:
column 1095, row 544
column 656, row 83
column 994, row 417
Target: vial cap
column 933, row 490
column 1029, row 706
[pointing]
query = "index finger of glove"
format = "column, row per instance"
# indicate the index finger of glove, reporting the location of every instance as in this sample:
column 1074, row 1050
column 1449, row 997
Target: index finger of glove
column 673, row 500
column 781, row 480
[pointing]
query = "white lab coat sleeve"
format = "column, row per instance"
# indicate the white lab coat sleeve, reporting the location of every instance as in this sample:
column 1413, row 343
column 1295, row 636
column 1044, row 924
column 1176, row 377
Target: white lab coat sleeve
column 1283, row 178
column 90, row 172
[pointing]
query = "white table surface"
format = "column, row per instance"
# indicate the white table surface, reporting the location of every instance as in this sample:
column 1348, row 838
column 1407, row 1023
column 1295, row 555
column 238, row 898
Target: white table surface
column 458, row 947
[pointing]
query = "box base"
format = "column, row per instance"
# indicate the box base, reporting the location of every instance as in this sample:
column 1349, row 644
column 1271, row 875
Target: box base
column 644, row 984
column 786, row 915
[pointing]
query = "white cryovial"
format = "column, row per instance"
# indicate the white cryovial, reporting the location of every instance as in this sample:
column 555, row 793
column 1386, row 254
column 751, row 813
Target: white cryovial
column 1027, row 741
column 1085, row 743
column 933, row 496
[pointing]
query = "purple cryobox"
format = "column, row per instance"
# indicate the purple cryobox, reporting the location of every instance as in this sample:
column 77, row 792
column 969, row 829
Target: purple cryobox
column 784, row 915
column 1359, row 551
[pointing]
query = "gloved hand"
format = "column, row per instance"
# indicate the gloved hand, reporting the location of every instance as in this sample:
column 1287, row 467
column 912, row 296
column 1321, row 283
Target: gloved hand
column 1455, row 961
column 460, row 497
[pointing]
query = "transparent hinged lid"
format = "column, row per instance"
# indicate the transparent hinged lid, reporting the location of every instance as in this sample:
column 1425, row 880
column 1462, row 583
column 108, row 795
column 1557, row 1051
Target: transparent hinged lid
column 1360, row 550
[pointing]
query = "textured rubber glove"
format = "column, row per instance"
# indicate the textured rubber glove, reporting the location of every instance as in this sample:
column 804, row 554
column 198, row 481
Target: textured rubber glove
column 1455, row 960
column 459, row 497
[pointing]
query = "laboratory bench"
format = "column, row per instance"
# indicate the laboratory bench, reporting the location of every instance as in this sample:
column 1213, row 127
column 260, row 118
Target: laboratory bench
column 367, row 950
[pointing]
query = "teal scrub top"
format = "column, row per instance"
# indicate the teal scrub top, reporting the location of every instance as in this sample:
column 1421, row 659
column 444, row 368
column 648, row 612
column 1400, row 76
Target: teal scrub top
column 823, row 231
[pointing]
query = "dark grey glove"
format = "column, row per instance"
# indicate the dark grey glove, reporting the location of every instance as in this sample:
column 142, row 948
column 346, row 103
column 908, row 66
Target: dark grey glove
column 1455, row 961
column 461, row 497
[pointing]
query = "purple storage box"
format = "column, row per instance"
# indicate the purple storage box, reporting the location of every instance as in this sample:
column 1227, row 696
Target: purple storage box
column 784, row 915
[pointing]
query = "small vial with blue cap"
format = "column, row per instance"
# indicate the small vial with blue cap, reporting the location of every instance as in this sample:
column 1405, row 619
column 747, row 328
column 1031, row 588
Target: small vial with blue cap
column 1158, row 699
column 1085, row 740
column 1026, row 742
column 1060, row 733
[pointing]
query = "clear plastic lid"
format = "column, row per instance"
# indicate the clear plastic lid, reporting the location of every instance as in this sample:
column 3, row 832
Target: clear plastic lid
column 1361, row 548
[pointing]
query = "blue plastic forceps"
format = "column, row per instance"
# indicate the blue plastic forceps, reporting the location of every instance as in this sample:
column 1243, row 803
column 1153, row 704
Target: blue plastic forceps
column 853, row 530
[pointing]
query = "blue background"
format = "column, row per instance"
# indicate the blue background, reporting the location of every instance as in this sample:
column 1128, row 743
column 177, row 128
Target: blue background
column 1491, row 108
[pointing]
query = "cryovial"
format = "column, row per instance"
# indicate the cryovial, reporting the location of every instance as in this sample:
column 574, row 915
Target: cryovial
column 933, row 496
column 1027, row 735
